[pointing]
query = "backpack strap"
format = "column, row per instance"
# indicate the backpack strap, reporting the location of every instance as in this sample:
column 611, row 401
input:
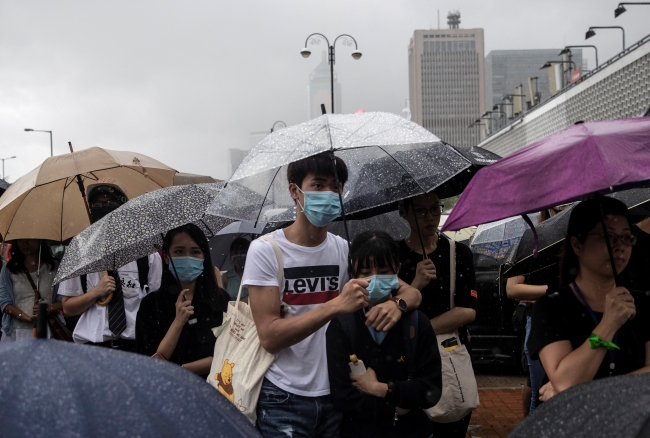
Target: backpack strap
column 84, row 284
column 143, row 271
column 409, row 323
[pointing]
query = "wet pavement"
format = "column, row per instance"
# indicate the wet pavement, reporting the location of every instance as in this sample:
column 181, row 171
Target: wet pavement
column 500, row 410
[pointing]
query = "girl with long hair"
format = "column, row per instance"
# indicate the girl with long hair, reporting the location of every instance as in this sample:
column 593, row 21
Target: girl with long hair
column 175, row 323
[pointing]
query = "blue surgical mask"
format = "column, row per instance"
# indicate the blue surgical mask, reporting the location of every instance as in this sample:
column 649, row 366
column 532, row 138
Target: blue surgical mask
column 187, row 268
column 321, row 208
column 380, row 287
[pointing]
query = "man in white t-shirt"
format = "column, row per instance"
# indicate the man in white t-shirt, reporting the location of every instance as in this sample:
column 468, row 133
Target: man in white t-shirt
column 111, row 325
column 294, row 399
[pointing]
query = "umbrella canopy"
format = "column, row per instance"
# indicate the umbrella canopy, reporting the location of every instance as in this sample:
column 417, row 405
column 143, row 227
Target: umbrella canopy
column 47, row 204
column 136, row 229
column 101, row 392
column 496, row 238
column 586, row 158
column 388, row 158
column 390, row 222
column 611, row 407
column 551, row 233
column 191, row 178
column 220, row 244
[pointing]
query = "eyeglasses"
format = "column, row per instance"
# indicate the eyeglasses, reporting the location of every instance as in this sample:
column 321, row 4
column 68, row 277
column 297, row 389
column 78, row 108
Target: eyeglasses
column 422, row 212
column 100, row 204
column 626, row 239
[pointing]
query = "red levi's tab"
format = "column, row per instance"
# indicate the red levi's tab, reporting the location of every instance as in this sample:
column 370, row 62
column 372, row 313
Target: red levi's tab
column 309, row 298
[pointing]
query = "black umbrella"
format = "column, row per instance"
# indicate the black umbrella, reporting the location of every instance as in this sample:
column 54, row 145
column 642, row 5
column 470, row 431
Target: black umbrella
column 51, row 388
column 611, row 407
column 551, row 233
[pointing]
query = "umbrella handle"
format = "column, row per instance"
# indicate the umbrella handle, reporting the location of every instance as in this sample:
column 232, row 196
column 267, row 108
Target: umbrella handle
column 106, row 300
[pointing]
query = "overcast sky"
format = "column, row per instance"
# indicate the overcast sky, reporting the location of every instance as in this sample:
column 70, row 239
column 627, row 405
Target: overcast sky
column 184, row 81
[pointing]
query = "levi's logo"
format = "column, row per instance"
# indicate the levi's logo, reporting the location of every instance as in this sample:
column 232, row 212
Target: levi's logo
column 474, row 294
column 307, row 285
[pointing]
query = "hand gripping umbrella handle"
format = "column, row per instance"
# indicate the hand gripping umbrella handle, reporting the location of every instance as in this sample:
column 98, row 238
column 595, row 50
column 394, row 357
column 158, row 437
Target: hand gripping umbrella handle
column 106, row 300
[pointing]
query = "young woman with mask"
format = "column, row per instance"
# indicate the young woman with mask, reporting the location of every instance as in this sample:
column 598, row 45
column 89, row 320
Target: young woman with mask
column 591, row 328
column 385, row 400
column 16, row 292
column 175, row 323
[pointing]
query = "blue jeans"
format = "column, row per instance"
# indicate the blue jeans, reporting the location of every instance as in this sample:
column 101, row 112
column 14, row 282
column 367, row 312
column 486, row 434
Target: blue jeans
column 280, row 413
column 534, row 368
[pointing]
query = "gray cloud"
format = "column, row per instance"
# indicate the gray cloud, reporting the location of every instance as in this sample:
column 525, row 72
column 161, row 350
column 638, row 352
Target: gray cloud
column 185, row 81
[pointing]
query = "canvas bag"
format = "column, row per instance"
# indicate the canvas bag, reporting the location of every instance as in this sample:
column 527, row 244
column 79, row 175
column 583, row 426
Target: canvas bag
column 459, row 390
column 239, row 362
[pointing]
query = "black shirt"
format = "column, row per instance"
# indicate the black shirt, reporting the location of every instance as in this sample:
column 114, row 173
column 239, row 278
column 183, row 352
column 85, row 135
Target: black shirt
column 435, row 296
column 369, row 416
column 561, row 316
column 157, row 312
column 636, row 275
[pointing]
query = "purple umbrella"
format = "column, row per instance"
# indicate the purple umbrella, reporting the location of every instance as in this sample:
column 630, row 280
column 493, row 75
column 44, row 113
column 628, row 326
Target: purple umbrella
column 584, row 159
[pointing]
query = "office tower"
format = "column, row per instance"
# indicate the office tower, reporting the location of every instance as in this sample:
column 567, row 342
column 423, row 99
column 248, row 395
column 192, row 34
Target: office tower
column 320, row 89
column 446, row 81
column 507, row 69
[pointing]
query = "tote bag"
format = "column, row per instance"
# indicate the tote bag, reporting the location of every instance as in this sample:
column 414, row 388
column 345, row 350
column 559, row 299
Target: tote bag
column 239, row 361
column 459, row 390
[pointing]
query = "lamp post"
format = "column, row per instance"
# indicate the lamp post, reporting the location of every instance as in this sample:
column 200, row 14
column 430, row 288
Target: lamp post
column 591, row 32
column 347, row 41
column 620, row 9
column 567, row 51
column 284, row 125
column 3, row 164
column 50, row 132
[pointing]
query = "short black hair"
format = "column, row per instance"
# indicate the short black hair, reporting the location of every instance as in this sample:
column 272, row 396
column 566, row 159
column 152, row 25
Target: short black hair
column 319, row 165
column 240, row 244
column 584, row 217
column 373, row 249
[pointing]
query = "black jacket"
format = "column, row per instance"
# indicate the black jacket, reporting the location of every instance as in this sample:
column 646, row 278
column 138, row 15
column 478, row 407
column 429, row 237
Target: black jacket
column 369, row 416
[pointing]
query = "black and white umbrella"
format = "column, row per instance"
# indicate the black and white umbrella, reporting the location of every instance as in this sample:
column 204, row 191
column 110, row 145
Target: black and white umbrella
column 136, row 229
column 389, row 158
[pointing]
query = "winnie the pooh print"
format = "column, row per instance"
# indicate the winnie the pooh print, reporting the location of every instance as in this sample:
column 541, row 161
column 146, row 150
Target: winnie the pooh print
column 224, row 379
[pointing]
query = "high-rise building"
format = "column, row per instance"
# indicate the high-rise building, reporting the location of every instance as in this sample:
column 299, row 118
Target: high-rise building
column 507, row 69
column 446, row 81
column 320, row 89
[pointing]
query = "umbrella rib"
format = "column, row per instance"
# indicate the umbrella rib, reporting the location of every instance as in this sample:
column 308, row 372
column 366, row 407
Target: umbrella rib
column 400, row 165
column 266, row 195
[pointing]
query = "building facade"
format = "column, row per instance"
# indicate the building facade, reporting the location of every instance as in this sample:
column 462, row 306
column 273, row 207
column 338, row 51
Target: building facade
column 446, row 82
column 507, row 69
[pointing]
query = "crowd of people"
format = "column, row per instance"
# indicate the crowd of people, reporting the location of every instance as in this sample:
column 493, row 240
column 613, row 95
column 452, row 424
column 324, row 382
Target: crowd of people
column 376, row 301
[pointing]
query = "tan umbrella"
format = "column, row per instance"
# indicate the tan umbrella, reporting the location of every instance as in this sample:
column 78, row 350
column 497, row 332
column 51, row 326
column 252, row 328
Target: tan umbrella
column 47, row 203
column 460, row 235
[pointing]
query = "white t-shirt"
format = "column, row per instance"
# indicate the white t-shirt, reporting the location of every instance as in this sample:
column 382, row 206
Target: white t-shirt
column 93, row 324
column 312, row 276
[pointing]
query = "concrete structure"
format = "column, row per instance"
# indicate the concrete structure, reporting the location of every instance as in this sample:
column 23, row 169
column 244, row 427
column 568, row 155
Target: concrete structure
column 619, row 88
column 507, row 69
column 447, row 80
column 320, row 89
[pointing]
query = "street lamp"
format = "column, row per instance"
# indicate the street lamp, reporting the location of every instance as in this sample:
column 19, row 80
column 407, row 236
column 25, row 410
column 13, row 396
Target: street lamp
column 550, row 63
column 567, row 51
column 3, row 165
column 38, row 130
column 591, row 32
column 279, row 121
column 620, row 9
column 356, row 54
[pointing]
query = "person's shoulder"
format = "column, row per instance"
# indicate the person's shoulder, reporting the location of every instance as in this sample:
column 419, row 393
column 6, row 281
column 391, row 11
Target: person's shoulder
column 554, row 299
column 154, row 259
column 337, row 240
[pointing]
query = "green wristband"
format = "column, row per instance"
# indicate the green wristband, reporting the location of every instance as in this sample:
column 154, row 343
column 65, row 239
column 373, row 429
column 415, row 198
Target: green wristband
column 596, row 341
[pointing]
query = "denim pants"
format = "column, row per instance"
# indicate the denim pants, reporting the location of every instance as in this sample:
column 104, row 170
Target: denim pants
column 280, row 413
column 534, row 368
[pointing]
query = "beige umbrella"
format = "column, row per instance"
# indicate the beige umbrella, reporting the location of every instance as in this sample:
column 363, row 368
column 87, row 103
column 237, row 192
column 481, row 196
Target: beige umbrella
column 47, row 203
column 460, row 235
